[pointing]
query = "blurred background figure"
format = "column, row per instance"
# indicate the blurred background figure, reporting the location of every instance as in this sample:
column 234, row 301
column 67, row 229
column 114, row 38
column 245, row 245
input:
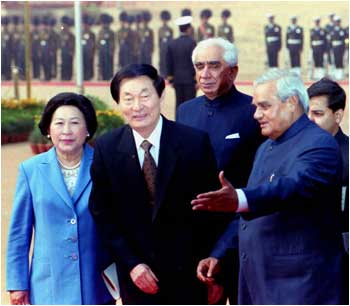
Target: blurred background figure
column 294, row 43
column 67, row 45
column 6, row 48
column 124, row 41
column 318, row 44
column 147, row 39
column 205, row 30
column 180, row 70
column 188, row 12
column 46, row 48
column 225, row 30
column 337, row 41
column 106, row 47
column 18, row 46
column 273, row 41
column 54, row 43
column 165, row 36
column 35, row 40
column 329, row 29
column 88, row 42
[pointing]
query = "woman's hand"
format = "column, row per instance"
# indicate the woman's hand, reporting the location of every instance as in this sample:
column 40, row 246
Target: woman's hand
column 19, row 297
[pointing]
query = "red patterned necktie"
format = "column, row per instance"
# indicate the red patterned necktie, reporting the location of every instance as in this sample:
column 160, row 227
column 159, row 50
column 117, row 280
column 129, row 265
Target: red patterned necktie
column 149, row 169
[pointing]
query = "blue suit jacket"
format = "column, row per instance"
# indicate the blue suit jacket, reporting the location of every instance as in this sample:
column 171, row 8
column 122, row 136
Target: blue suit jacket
column 290, row 243
column 67, row 257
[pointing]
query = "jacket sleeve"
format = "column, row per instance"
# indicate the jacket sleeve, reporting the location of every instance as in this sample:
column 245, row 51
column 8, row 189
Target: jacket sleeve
column 101, row 204
column 20, row 235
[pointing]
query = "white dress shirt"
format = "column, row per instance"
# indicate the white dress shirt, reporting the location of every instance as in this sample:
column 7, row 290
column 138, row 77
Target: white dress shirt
column 154, row 139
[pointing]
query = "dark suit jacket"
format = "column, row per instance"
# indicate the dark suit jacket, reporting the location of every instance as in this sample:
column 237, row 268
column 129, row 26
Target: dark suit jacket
column 290, row 242
column 179, row 62
column 171, row 237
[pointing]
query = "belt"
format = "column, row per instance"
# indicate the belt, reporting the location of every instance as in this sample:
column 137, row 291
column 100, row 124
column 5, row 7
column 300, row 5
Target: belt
column 317, row 42
column 272, row 39
column 294, row 41
column 336, row 43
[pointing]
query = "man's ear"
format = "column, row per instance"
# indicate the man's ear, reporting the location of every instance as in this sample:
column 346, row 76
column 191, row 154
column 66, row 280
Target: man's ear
column 162, row 97
column 292, row 102
column 234, row 72
column 339, row 114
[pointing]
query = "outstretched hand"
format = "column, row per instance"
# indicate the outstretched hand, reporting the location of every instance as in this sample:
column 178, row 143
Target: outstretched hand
column 223, row 200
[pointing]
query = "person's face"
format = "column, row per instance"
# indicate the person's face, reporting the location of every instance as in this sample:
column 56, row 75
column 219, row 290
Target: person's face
column 68, row 130
column 322, row 115
column 273, row 116
column 213, row 74
column 140, row 104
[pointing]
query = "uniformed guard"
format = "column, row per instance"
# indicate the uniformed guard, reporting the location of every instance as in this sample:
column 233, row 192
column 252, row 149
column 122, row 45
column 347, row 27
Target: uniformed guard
column 106, row 47
column 205, row 30
column 134, row 41
column 18, row 46
column 45, row 48
column 124, row 41
column 294, row 43
column 337, row 39
column 147, row 39
column 165, row 35
column 6, row 49
column 36, row 54
column 188, row 12
column 346, row 56
column 329, row 29
column 54, row 44
column 272, row 41
column 67, row 46
column 318, row 42
column 88, row 42
column 180, row 70
column 225, row 30
column 138, row 31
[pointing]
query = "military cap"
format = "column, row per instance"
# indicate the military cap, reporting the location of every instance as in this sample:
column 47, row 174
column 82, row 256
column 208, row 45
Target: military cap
column 15, row 20
column 138, row 17
column 5, row 20
column 186, row 12
column 146, row 16
column 225, row 13
column 106, row 19
column 45, row 20
column 35, row 20
column 65, row 20
column 293, row 17
column 331, row 15
column 165, row 15
column 270, row 15
column 130, row 19
column 206, row 13
column 337, row 18
column 123, row 16
column 52, row 21
column 183, row 20
column 317, row 18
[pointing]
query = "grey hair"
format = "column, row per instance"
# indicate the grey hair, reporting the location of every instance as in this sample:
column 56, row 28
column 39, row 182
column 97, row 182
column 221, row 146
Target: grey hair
column 229, row 49
column 288, row 84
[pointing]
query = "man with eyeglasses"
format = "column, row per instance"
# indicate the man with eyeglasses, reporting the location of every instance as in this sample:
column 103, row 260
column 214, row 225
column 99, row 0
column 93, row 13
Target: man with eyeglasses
column 227, row 116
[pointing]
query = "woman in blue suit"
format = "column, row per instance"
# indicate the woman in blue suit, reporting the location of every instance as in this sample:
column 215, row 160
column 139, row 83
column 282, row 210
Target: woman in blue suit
column 51, row 202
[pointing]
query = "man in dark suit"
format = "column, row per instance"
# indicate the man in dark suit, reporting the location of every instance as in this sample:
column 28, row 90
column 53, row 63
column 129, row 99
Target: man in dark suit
column 290, row 241
column 180, row 71
column 144, row 176
column 226, row 114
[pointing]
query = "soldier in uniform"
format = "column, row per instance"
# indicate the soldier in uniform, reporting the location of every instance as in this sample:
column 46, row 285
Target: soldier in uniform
column 45, row 48
column 18, row 46
column 205, row 30
column 318, row 42
column 54, row 43
column 134, row 39
column 6, row 49
column 337, row 40
column 225, row 30
column 165, row 36
column 329, row 29
column 138, row 31
column 106, row 47
column 147, row 40
column 124, row 41
column 88, row 42
column 188, row 12
column 294, row 43
column 67, row 46
column 35, row 39
column 180, row 70
column 272, row 41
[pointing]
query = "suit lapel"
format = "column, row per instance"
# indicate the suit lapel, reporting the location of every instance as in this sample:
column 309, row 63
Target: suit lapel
column 84, row 177
column 51, row 170
column 168, row 155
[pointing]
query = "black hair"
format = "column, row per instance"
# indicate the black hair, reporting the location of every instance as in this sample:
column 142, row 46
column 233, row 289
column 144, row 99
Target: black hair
column 183, row 28
column 133, row 71
column 69, row 98
column 326, row 87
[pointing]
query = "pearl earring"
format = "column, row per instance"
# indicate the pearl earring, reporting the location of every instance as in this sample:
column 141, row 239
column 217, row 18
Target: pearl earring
column 48, row 136
column 87, row 135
